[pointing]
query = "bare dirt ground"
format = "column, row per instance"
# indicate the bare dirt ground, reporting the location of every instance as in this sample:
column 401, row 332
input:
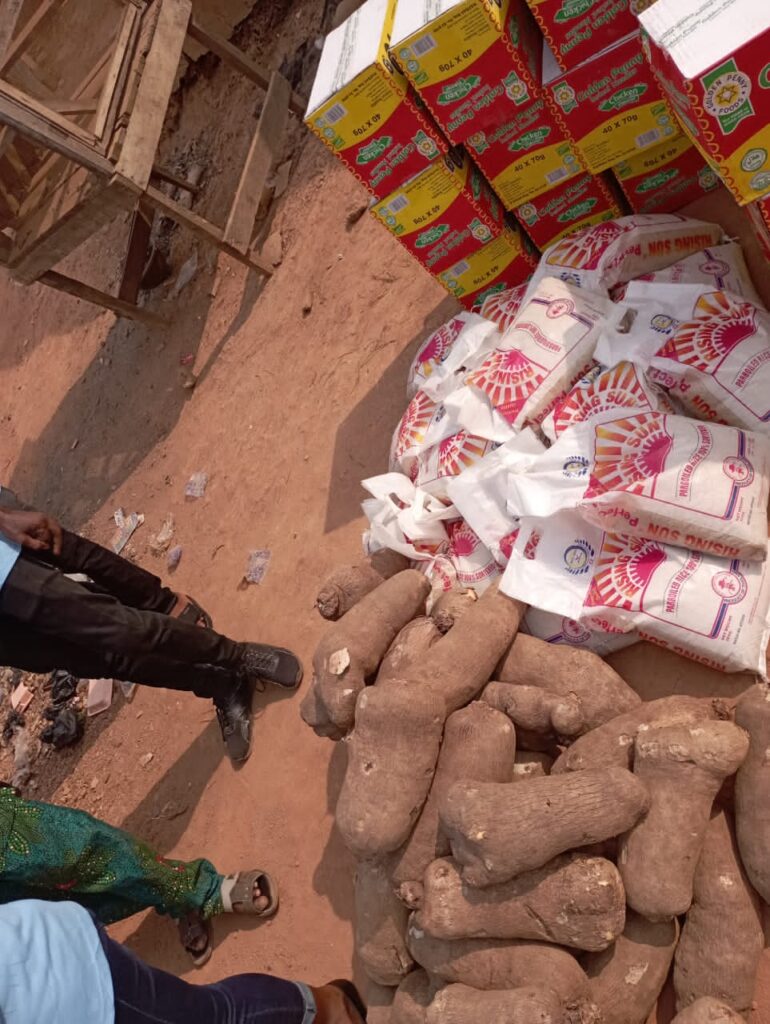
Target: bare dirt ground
column 299, row 383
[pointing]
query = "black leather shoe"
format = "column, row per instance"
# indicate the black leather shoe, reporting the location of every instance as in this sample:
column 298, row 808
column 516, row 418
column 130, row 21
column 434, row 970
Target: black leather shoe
column 274, row 664
column 234, row 714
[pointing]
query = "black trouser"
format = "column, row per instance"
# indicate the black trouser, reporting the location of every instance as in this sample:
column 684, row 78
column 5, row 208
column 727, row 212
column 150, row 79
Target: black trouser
column 116, row 628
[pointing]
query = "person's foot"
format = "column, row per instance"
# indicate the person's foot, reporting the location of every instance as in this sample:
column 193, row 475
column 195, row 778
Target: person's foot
column 195, row 936
column 234, row 714
column 336, row 1006
column 274, row 664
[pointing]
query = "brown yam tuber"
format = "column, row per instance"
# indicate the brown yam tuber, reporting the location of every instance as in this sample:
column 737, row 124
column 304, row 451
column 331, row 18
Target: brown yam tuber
column 392, row 755
column 479, row 744
column 752, row 789
column 381, row 923
column 722, row 939
column 379, row 1003
column 413, row 997
column 450, row 607
column 613, row 742
column 348, row 584
column 568, row 671
column 572, row 901
column 536, row 710
column 415, row 639
column 497, row 964
column 682, row 768
column 459, row 1004
column 353, row 648
column 708, row 1011
column 461, row 663
column 626, row 979
column 498, row 831
column 531, row 764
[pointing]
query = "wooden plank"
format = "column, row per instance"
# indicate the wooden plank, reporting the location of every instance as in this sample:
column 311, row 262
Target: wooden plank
column 266, row 147
column 136, row 254
column 53, row 279
column 49, row 129
column 117, row 71
column 164, row 174
column 60, row 105
column 83, row 205
column 203, row 228
column 23, row 39
column 237, row 59
column 9, row 16
column 149, row 112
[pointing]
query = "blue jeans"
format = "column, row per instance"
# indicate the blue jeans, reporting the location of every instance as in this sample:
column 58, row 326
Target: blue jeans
column 145, row 995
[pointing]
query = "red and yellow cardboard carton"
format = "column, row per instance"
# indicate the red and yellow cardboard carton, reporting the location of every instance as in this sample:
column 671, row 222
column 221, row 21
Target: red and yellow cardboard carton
column 666, row 178
column 759, row 215
column 362, row 108
column 504, row 263
column 443, row 214
column 713, row 62
column 577, row 30
column 526, row 156
column 611, row 105
column 474, row 62
column 580, row 203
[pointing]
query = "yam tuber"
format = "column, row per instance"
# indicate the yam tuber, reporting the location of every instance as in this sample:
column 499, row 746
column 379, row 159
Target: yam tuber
column 572, row 901
column 479, row 744
column 392, row 755
column 626, row 979
column 752, row 789
column 459, row 1004
column 353, row 648
column 498, row 831
column 379, row 1003
column 682, row 768
column 568, row 671
column 413, row 997
column 450, row 607
column 381, row 923
column 461, row 663
column 722, row 938
column 497, row 964
column 708, row 1011
column 531, row 764
column 415, row 639
column 348, row 584
column 536, row 710
column 612, row 743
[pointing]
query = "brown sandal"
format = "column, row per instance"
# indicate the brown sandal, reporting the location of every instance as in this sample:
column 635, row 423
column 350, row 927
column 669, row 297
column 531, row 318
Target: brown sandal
column 195, row 936
column 238, row 893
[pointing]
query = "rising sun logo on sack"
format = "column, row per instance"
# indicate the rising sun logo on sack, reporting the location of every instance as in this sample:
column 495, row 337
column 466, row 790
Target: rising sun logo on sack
column 583, row 250
column 624, row 569
column 630, row 454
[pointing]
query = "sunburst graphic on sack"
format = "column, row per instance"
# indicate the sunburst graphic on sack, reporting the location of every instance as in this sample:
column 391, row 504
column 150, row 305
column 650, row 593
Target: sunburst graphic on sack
column 630, row 453
column 618, row 388
column 414, row 423
column 509, row 378
column 582, row 251
column 460, row 451
column 503, row 308
column 722, row 325
column 439, row 345
column 462, row 540
column 623, row 571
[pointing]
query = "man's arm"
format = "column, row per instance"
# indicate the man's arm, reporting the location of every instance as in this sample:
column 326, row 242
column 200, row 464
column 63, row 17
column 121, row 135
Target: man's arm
column 32, row 530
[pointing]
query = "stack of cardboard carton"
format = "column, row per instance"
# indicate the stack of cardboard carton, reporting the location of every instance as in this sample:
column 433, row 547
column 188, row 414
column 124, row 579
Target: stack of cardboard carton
column 484, row 126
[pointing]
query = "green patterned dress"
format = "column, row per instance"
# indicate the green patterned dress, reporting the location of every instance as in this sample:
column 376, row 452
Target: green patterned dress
column 56, row 853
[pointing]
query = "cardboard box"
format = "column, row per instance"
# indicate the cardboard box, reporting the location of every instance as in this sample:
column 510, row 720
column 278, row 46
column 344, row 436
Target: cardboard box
column 578, row 204
column 666, row 178
column 611, row 105
column 713, row 61
column 502, row 264
column 474, row 62
column 443, row 214
column 526, row 156
column 362, row 109
column 759, row 215
column 576, row 30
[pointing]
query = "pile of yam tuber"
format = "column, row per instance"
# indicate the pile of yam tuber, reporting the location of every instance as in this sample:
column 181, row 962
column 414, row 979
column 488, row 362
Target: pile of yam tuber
column 535, row 844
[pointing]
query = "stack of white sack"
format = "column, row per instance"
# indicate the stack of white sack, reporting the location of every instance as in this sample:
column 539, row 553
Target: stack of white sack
column 599, row 440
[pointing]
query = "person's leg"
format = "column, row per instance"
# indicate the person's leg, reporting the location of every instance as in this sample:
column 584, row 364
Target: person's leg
column 56, row 853
column 133, row 643
column 146, row 995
